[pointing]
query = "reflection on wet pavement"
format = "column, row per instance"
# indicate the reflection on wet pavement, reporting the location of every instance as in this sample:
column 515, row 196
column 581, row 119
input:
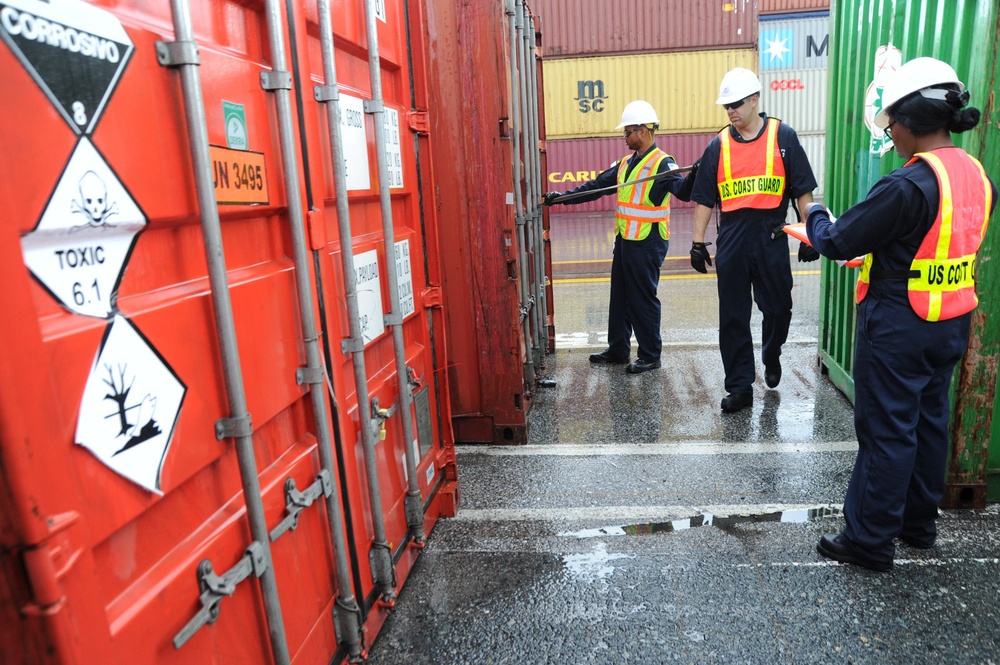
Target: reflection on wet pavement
column 704, row 518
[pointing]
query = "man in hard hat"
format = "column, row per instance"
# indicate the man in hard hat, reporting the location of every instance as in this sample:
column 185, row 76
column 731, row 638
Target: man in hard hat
column 751, row 170
column 642, row 232
column 920, row 230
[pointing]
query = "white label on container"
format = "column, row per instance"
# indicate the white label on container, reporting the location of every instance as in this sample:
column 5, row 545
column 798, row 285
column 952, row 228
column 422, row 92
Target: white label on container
column 130, row 406
column 352, row 131
column 510, row 198
column 394, row 155
column 369, row 286
column 404, row 278
column 380, row 10
column 79, row 248
column 430, row 473
column 75, row 52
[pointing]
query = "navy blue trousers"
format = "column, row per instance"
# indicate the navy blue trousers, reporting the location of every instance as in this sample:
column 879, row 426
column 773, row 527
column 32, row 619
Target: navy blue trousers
column 902, row 370
column 748, row 259
column 634, row 307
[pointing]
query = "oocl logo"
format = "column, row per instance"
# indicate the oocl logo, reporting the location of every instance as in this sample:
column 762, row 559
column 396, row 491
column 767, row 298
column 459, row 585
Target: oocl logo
column 787, row 84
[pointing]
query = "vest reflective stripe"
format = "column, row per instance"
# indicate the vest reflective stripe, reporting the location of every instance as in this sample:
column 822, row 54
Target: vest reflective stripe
column 635, row 213
column 946, row 258
column 753, row 178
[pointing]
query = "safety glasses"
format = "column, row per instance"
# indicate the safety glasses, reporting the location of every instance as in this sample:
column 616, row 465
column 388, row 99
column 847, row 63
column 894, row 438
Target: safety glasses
column 734, row 105
column 629, row 132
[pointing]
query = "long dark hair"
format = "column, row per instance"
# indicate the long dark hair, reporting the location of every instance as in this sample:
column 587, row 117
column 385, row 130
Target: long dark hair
column 924, row 115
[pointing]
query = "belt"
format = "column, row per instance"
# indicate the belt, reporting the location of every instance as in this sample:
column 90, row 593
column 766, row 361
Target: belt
column 885, row 273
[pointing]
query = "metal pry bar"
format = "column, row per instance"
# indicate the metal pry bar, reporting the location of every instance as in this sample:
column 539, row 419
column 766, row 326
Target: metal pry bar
column 567, row 197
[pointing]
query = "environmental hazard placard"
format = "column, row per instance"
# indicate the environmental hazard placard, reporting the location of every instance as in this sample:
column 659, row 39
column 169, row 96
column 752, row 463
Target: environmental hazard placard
column 79, row 248
column 74, row 51
column 130, row 406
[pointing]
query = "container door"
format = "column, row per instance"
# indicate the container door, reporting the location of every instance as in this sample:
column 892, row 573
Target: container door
column 414, row 257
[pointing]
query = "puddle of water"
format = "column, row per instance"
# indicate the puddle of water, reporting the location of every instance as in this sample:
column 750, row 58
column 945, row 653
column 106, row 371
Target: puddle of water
column 705, row 518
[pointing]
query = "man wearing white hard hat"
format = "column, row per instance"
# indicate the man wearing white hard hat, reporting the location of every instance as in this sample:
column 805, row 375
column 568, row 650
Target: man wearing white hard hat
column 751, row 170
column 919, row 230
column 642, row 233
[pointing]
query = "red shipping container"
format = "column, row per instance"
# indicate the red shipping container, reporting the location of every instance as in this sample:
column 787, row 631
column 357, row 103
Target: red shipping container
column 120, row 476
column 574, row 161
column 470, row 90
column 598, row 27
column 793, row 6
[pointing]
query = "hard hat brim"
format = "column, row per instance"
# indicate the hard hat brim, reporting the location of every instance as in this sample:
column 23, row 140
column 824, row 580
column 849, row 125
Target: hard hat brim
column 734, row 98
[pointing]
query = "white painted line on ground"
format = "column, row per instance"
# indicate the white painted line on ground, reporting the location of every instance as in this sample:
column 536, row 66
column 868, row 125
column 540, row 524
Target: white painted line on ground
column 656, row 449
column 623, row 514
column 896, row 562
column 585, row 341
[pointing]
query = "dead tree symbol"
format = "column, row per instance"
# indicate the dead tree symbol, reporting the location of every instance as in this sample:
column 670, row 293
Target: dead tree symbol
column 119, row 394
column 145, row 427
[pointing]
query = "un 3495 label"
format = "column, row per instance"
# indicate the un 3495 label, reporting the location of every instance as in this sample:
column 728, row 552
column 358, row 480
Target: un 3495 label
column 239, row 176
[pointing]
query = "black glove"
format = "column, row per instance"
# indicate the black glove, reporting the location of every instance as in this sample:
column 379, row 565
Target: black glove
column 778, row 231
column 699, row 256
column 694, row 168
column 807, row 253
column 549, row 198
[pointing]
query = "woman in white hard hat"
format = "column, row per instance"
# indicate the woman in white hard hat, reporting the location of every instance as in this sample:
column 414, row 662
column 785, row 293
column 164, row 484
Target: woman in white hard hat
column 919, row 229
column 751, row 170
column 639, row 247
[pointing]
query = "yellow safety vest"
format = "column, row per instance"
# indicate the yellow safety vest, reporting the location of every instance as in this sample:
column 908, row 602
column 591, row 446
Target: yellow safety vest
column 635, row 213
column 942, row 283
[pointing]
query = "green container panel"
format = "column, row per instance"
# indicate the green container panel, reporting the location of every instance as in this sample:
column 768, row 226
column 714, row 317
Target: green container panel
column 965, row 34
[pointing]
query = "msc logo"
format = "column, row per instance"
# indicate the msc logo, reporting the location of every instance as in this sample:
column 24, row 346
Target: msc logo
column 590, row 96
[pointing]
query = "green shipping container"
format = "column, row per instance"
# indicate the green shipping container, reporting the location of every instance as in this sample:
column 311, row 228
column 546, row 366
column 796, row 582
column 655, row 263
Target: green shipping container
column 868, row 39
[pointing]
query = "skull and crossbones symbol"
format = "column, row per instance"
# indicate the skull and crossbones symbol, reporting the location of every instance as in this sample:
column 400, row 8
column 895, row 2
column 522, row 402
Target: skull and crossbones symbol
column 94, row 200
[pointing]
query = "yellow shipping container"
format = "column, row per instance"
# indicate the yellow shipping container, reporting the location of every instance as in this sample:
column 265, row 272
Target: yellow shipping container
column 585, row 96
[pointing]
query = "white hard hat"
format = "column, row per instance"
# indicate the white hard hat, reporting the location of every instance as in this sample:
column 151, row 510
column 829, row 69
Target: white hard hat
column 915, row 75
column 639, row 112
column 736, row 85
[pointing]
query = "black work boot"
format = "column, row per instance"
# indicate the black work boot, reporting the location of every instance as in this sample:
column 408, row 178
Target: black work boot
column 605, row 358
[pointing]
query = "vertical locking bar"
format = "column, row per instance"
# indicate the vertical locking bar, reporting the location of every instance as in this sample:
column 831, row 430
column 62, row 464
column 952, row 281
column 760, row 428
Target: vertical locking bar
column 522, row 253
column 194, row 108
column 350, row 633
column 413, row 504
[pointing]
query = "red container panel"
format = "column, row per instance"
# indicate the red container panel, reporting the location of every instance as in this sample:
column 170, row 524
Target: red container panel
column 572, row 162
column 598, row 27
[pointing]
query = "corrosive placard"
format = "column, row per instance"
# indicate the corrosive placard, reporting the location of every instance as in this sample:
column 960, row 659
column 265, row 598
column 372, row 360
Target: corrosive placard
column 239, row 176
column 79, row 248
column 130, row 406
column 75, row 52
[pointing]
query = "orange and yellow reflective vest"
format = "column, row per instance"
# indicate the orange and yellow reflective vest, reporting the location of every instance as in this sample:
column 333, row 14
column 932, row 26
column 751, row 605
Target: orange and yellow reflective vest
column 942, row 282
column 635, row 213
column 751, row 175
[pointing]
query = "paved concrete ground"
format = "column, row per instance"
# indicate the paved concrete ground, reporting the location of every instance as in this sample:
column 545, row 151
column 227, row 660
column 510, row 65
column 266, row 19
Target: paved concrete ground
column 641, row 525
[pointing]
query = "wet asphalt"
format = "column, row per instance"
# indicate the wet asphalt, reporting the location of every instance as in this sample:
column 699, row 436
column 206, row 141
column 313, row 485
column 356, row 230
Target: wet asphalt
column 642, row 525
